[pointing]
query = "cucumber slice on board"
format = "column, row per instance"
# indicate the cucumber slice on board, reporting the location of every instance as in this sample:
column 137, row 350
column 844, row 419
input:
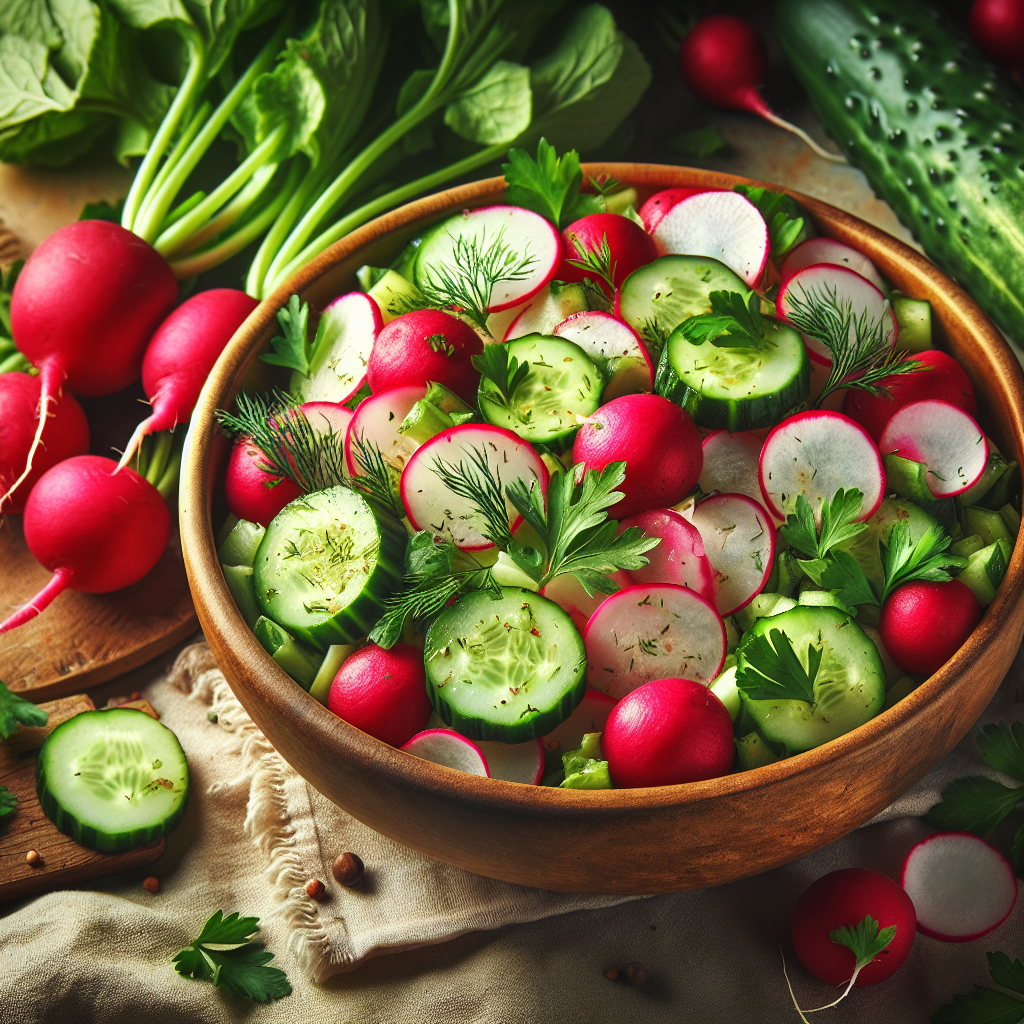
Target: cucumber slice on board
column 113, row 779
column 508, row 669
column 327, row 564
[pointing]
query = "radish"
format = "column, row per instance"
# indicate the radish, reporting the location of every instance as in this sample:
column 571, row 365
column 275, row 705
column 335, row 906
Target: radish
column 730, row 464
column 814, row 454
column 450, row 749
column 613, row 244
column 430, row 505
column 667, row 732
column 653, row 631
column 663, row 460
column 96, row 529
column 652, row 212
column 383, row 692
column 181, row 355
column 997, row 26
column 514, row 762
column 680, row 558
column 568, row 593
column 376, row 422
column 962, row 887
column 723, row 225
column 327, row 417
column 924, row 624
column 941, row 377
column 739, row 538
column 828, row 250
column 588, row 716
column 942, row 437
column 540, row 315
column 253, row 493
column 83, row 308
column 423, row 346
column 723, row 62
column 614, row 344
column 66, row 433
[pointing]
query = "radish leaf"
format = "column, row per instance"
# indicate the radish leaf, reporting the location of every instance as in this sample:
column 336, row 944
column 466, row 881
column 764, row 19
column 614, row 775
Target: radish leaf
column 769, row 668
column 1006, row 972
column 974, row 804
column 784, row 216
column 8, row 801
column 549, row 185
column 291, row 349
column 865, row 939
column 496, row 108
column 985, row 1005
column 1002, row 746
column 15, row 709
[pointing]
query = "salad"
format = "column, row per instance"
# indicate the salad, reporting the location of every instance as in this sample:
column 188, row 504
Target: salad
column 574, row 494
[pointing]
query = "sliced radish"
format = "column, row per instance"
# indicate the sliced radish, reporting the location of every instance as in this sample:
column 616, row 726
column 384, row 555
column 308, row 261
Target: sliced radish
column 944, row 438
column 679, row 558
column 653, row 631
column 723, row 225
column 448, row 748
column 961, row 887
column 588, row 716
column 568, row 593
column 739, row 538
column 828, row 250
column 328, row 417
column 814, row 454
column 514, row 762
column 376, row 422
column 845, row 288
column 653, row 211
column 730, row 464
column 542, row 314
column 344, row 339
column 430, row 505
column 613, row 343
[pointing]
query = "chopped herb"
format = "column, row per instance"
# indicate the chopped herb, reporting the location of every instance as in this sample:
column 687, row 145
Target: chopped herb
column 549, row 185
column 734, row 322
column 290, row 348
column 8, row 801
column 15, row 709
column 503, row 370
column 769, row 668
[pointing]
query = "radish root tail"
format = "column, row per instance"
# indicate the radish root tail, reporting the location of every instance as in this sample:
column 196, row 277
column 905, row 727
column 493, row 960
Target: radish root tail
column 133, row 443
column 52, row 378
column 59, row 582
column 780, row 122
column 828, row 1006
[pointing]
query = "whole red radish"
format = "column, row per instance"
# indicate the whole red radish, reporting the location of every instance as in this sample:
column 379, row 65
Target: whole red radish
column 663, row 460
column 65, row 434
column 628, row 247
column 252, row 492
column 941, row 377
column 666, row 732
column 423, row 346
column 383, row 692
column 95, row 527
column 181, row 355
column 843, row 899
column 924, row 624
column 661, row 202
column 997, row 26
column 723, row 62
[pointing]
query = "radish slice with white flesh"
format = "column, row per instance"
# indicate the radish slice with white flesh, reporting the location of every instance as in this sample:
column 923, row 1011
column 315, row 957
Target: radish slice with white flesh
column 653, row 631
column 944, row 438
column 344, row 339
column 376, row 422
column 730, row 464
column 723, row 225
column 328, row 417
column 527, row 236
column 828, row 250
column 847, row 289
column 680, row 558
column 739, row 538
column 961, row 887
column 448, row 748
column 814, row 454
column 514, row 762
column 589, row 715
column 432, row 505
column 608, row 340
column 568, row 593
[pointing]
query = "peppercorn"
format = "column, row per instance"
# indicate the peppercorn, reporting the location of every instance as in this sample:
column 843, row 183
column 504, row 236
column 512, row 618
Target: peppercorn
column 348, row 869
column 151, row 884
column 33, row 858
column 315, row 889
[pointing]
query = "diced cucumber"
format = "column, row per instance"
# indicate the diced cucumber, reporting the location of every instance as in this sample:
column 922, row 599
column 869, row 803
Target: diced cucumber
column 585, row 768
column 394, row 295
column 405, row 262
column 112, row 779
column 240, row 546
column 789, row 573
column 368, row 276
column 906, row 478
column 508, row 669
column 988, row 525
column 333, row 660
column 225, row 529
column 753, row 752
column 966, row 547
column 239, row 581
column 1005, row 490
column 298, row 661
column 864, row 547
column 903, row 687
column 985, row 570
column 823, row 599
column 761, row 606
column 1011, row 517
column 438, row 410
column 619, row 202
column 995, row 467
column 724, row 688
column 914, row 317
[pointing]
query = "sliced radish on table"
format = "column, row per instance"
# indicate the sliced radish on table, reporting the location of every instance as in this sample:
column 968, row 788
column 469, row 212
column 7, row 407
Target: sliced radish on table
column 568, row 593
column 739, row 538
column 814, row 454
column 514, row 762
column 588, row 716
column 680, row 558
column 653, row 631
column 730, row 464
column 652, row 211
column 444, row 747
column 723, row 225
column 432, row 505
column 828, row 250
column 610, row 341
column 962, row 888
column 375, row 425
column 943, row 438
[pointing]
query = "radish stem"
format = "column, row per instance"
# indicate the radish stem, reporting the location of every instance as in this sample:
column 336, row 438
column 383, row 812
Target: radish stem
column 768, row 115
column 59, row 582
column 827, row 1006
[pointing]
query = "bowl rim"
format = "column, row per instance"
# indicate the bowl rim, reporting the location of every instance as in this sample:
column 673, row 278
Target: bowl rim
column 219, row 615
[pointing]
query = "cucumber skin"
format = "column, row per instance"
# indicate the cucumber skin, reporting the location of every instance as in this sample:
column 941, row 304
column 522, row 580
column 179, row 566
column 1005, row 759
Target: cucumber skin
column 934, row 96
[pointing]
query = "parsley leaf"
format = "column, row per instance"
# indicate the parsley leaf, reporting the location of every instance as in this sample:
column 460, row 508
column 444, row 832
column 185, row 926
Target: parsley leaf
column 865, row 939
column 504, row 371
column 549, row 185
column 1017, row 853
column 838, row 523
column 974, row 804
column 734, row 322
column 290, row 347
column 904, row 561
column 1002, row 746
column 769, row 668
column 15, row 709
column 1006, row 972
column 844, row 576
column 985, row 1005
column 8, row 801
column 784, row 216
column 241, row 970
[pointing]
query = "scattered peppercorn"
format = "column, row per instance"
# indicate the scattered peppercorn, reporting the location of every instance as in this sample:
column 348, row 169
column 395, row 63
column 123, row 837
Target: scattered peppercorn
column 612, row 974
column 33, row 858
column 151, row 884
column 348, row 869
column 315, row 889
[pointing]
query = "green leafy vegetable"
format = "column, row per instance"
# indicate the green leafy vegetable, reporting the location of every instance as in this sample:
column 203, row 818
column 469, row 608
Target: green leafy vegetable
column 503, row 370
column 700, row 142
column 375, row 479
column 865, row 940
column 843, row 575
column 785, row 217
column 102, row 211
column 241, row 969
column 839, row 515
column 549, row 185
column 597, row 261
column 985, row 1005
column 8, row 801
column 734, row 322
column 290, row 348
column 1002, row 746
column 905, row 560
column 769, row 668
column 15, row 709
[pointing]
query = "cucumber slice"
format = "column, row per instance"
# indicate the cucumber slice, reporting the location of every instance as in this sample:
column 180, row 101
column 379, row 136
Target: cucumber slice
column 985, row 570
column 239, row 547
column 326, row 566
column 239, row 581
column 508, row 669
column 112, row 780
column 394, row 295
column 562, row 384
column 752, row 752
column 988, row 525
column 914, row 317
column 995, row 468
column 299, row 662
column 864, row 547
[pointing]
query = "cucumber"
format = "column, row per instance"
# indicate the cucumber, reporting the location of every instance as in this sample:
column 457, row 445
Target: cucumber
column 988, row 525
column 394, row 295
column 562, row 384
column 1011, row 518
column 327, row 564
column 239, row 581
column 995, row 468
column 113, row 779
column 914, row 319
column 752, row 752
column 239, row 547
column 438, row 410
column 725, row 689
column 333, row 660
column 864, row 547
column 509, row 668
column 299, row 662
column 967, row 546
column 763, row 605
column 906, row 478
column 985, row 570
column 934, row 126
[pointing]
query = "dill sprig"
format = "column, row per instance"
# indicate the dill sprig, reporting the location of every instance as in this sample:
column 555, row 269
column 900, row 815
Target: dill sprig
column 597, row 261
column 480, row 483
column 374, row 479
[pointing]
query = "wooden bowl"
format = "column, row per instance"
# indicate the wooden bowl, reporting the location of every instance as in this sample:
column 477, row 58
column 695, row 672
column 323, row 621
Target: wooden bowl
column 626, row 840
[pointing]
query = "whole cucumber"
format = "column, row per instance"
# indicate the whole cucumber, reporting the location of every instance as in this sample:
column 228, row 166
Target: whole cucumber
column 938, row 131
